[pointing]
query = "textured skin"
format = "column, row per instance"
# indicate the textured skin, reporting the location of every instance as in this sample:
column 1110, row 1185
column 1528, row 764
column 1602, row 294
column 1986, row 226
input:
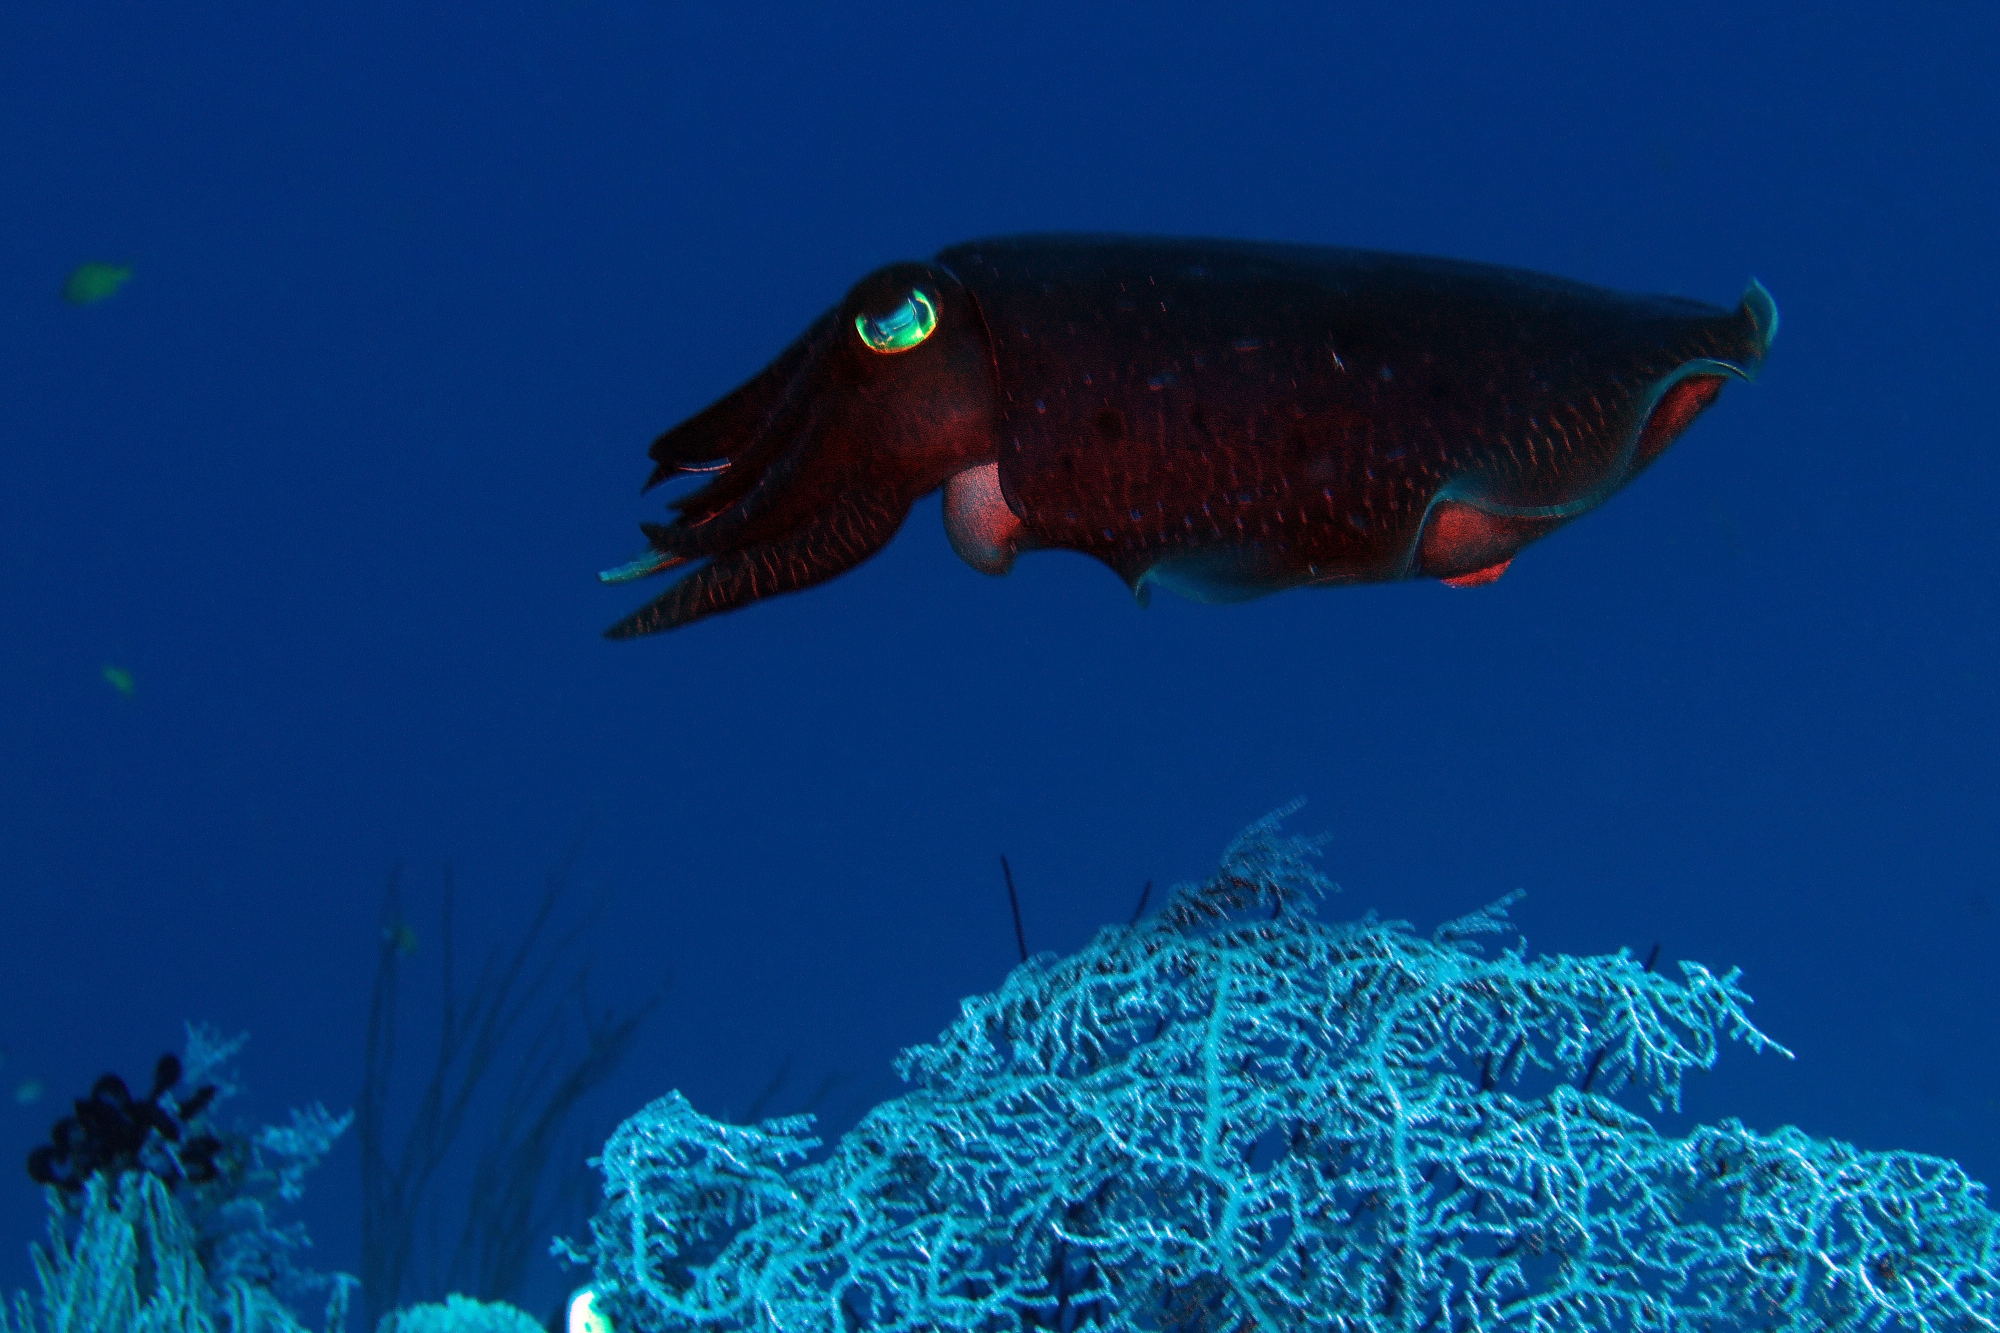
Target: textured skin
column 1226, row 418
column 1274, row 415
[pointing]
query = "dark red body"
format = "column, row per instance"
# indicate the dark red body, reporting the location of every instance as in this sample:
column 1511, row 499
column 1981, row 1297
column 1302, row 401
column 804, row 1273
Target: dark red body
column 1225, row 418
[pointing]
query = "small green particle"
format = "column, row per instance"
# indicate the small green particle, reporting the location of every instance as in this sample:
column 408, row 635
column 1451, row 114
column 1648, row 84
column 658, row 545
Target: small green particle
column 120, row 680
column 91, row 283
column 403, row 936
column 902, row 328
column 28, row 1091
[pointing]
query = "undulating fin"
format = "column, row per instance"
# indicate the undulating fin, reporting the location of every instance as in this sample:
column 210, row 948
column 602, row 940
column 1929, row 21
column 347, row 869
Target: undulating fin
column 1478, row 577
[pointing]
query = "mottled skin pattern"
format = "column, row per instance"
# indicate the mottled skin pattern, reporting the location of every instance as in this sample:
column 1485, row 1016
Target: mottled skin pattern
column 1224, row 418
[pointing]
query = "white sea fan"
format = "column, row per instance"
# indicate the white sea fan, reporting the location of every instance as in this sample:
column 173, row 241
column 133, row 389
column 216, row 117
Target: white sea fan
column 1233, row 1116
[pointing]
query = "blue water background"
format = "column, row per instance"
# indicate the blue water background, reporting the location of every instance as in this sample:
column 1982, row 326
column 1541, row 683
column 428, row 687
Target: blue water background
column 416, row 284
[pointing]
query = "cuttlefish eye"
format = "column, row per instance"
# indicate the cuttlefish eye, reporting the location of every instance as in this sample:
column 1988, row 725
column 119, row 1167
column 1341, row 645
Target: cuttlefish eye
column 902, row 328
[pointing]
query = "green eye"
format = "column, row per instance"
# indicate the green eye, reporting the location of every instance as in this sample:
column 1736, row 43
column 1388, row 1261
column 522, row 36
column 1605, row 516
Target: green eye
column 902, row 328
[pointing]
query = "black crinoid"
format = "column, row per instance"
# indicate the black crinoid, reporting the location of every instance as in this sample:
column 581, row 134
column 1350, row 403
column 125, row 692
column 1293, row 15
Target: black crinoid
column 112, row 1132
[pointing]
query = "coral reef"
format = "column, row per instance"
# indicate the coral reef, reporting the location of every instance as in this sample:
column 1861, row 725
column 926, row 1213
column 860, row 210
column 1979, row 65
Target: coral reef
column 160, row 1219
column 1234, row 1116
column 460, row 1314
column 130, row 1265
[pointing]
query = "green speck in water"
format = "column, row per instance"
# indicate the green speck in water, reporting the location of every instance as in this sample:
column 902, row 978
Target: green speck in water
column 403, row 936
column 120, row 680
column 91, row 283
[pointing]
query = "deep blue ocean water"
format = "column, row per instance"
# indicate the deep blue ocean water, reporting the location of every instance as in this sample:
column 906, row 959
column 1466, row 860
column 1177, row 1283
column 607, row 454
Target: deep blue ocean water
column 415, row 285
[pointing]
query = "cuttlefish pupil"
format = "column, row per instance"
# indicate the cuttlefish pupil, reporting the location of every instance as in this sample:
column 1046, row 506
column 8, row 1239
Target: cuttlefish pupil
column 902, row 328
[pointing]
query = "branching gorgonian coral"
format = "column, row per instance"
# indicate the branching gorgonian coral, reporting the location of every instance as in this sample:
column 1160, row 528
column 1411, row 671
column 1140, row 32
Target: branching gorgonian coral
column 1234, row 1116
